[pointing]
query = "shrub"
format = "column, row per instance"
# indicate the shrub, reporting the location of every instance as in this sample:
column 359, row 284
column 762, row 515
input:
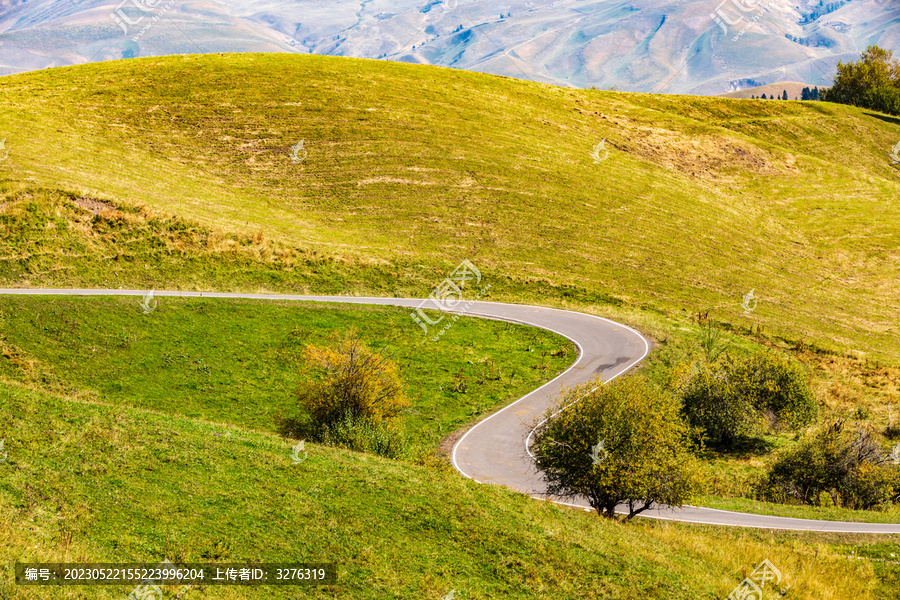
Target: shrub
column 350, row 378
column 846, row 465
column 350, row 402
column 623, row 442
column 712, row 403
column 733, row 397
column 777, row 384
column 884, row 99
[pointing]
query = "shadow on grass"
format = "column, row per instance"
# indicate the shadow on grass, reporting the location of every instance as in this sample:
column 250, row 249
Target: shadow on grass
column 885, row 118
column 742, row 447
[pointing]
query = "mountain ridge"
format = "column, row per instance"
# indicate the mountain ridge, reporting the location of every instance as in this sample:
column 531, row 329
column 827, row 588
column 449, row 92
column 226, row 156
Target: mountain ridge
column 677, row 47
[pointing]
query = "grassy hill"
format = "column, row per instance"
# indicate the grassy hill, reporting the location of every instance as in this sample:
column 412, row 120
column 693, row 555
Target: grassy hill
column 91, row 482
column 410, row 169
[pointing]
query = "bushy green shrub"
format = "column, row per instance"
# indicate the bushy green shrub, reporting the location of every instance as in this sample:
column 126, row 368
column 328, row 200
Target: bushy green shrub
column 846, row 465
column 884, row 99
column 349, row 377
column 713, row 403
column 734, row 397
column 778, row 385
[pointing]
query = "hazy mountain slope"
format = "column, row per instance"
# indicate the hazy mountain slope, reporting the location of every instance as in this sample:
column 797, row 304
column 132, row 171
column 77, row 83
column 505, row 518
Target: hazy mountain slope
column 639, row 45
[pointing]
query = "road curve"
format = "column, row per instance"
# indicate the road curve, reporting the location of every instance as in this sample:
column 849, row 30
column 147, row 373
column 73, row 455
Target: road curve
column 494, row 450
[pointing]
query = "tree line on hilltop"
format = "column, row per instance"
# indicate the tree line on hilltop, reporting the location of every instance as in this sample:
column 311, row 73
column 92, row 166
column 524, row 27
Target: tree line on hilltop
column 806, row 94
column 873, row 82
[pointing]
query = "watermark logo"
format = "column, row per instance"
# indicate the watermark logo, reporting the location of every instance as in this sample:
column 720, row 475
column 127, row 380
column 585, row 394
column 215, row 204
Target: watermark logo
column 149, row 304
column 895, row 155
column 599, row 453
column 122, row 20
column 149, row 7
column 3, row 453
column 3, row 149
column 750, row 302
column 600, row 152
column 721, row 15
column 296, row 450
column 449, row 596
column 895, row 453
column 149, row 590
column 298, row 152
column 751, row 587
column 449, row 5
column 448, row 296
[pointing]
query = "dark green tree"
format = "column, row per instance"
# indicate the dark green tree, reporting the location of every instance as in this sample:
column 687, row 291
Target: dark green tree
column 836, row 466
column 731, row 397
column 872, row 82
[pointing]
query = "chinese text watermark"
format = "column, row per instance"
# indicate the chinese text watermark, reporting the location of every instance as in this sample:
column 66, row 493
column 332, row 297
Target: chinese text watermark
column 448, row 296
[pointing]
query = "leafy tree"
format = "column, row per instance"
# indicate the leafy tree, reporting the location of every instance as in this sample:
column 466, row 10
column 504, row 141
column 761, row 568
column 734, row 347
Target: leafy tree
column 870, row 83
column 784, row 95
column 805, row 94
column 778, row 387
column 736, row 397
column 883, row 99
column 764, row 97
column 620, row 442
column 836, row 466
column 814, row 95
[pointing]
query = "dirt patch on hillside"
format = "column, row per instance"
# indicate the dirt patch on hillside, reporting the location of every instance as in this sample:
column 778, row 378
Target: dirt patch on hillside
column 707, row 156
column 93, row 205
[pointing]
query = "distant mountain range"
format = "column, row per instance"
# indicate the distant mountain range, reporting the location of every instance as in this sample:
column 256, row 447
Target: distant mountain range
column 673, row 46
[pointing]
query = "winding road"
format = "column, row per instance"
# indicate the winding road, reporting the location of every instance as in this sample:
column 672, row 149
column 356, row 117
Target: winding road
column 494, row 450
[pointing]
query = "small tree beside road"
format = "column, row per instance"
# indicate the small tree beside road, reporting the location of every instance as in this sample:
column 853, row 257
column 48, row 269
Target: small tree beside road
column 350, row 379
column 620, row 442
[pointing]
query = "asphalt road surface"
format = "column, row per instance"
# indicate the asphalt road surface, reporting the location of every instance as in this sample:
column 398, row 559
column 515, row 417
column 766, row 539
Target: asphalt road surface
column 495, row 449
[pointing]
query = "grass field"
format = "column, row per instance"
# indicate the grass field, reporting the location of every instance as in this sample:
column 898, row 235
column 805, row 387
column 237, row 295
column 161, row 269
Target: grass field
column 410, row 169
column 238, row 362
column 91, row 482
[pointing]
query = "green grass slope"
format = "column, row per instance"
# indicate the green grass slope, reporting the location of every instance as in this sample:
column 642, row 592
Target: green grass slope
column 410, row 169
column 87, row 482
column 239, row 362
